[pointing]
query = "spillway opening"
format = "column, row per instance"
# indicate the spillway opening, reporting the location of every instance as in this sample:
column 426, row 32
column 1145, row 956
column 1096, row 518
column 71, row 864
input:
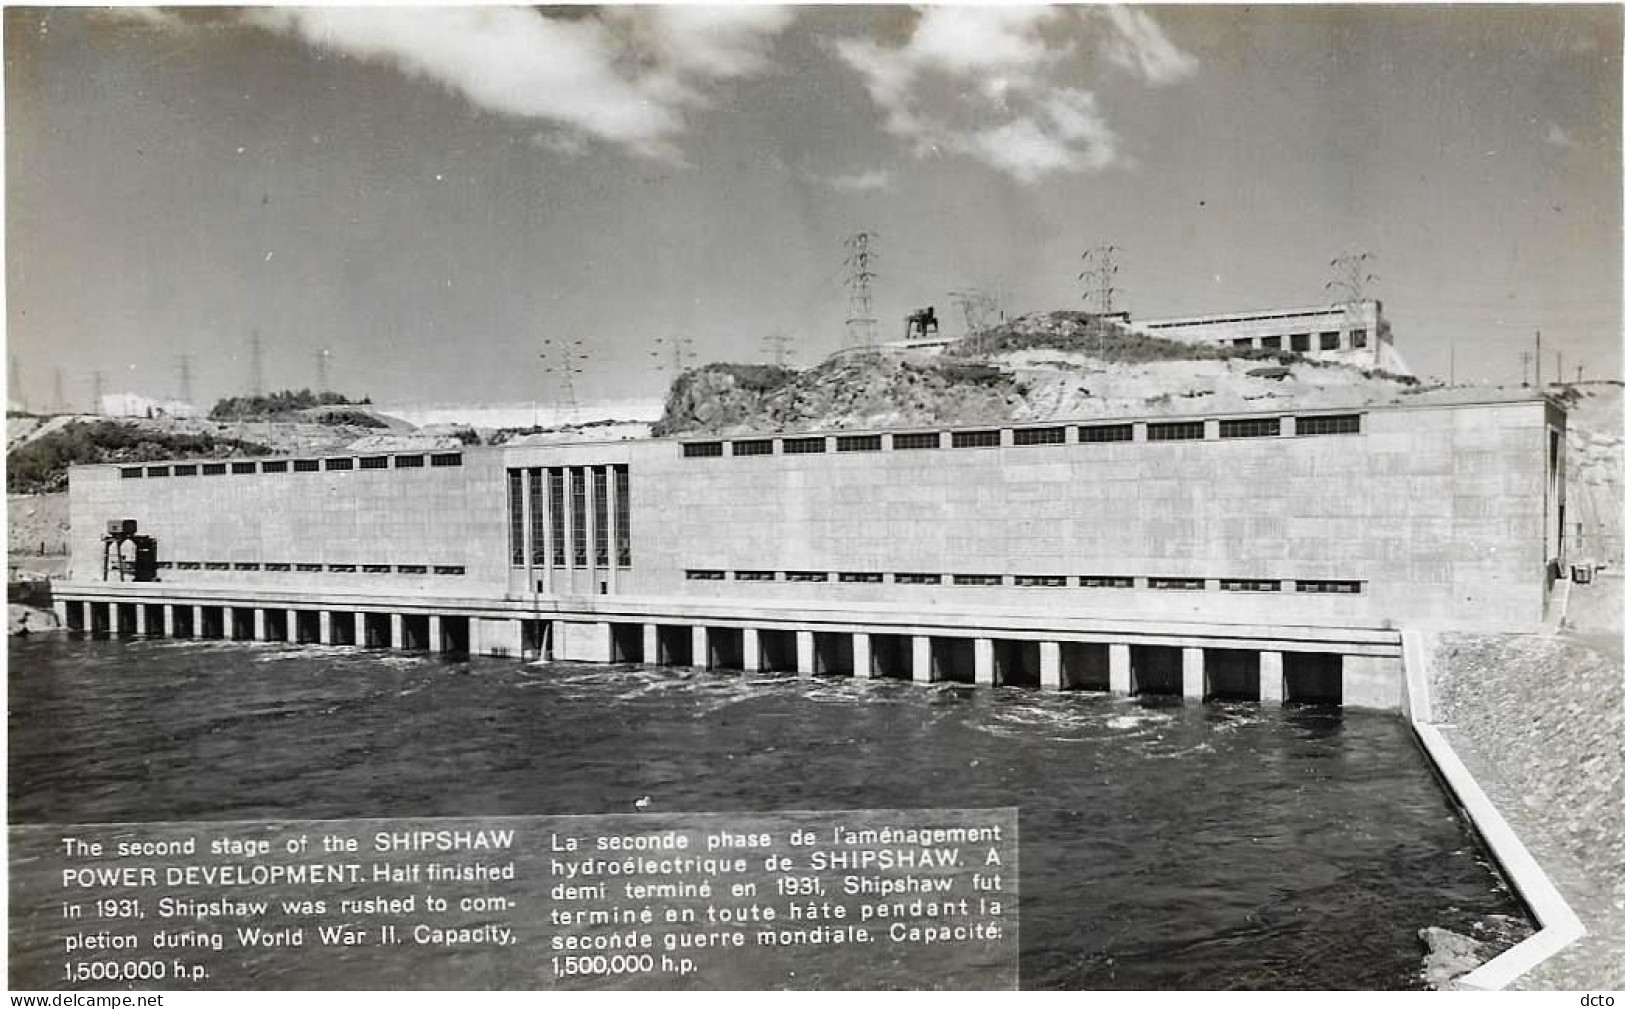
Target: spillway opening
column 1156, row 669
column 155, row 619
column 242, row 622
column 100, row 617
column 307, row 627
column 535, row 640
column 675, row 645
column 1085, row 665
column 76, row 615
column 727, row 646
column 341, row 625
column 832, row 654
column 778, row 651
column 454, row 635
column 1015, row 663
column 1312, row 677
column 953, row 659
column 181, row 622
column 213, row 620
column 276, row 625
column 1232, row 674
column 626, row 643
column 125, row 615
column 415, row 632
column 890, row 656
column 375, row 630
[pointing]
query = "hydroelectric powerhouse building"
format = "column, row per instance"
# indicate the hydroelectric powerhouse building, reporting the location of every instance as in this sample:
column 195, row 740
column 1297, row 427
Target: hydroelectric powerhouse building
column 1271, row 555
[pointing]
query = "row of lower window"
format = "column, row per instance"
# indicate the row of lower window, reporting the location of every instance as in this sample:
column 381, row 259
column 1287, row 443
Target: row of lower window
column 366, row 569
column 1301, row 342
column 338, row 463
column 1194, row 430
column 1340, row 587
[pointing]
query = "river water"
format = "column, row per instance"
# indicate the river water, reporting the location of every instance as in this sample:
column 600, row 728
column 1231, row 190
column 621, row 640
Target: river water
column 1163, row 845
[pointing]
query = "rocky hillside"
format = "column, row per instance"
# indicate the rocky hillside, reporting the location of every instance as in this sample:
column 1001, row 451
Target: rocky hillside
column 1596, row 470
column 1043, row 366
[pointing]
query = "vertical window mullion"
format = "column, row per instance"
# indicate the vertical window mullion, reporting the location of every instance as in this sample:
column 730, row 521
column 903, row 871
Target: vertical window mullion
column 578, row 515
column 516, row 518
column 555, row 482
column 538, row 517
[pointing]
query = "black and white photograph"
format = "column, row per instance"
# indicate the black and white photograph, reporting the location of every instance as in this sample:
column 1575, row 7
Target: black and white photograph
column 687, row 498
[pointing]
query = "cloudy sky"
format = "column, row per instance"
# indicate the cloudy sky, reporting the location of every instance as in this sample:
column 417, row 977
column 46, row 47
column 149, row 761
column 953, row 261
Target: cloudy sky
column 431, row 193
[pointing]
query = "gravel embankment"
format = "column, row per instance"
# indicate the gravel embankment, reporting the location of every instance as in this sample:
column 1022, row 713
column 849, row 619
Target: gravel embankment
column 1540, row 721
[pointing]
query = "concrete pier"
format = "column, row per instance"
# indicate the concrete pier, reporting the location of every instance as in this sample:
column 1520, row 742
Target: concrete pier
column 1270, row 679
column 923, row 672
column 700, row 650
column 862, row 659
column 1122, row 679
column 804, row 653
column 1049, row 665
column 1194, row 677
column 1354, row 666
column 582, row 642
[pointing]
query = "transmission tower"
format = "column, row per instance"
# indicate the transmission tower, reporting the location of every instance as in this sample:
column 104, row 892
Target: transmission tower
column 1099, row 270
column 778, row 347
column 59, row 402
column 563, row 359
column 256, row 365
column 15, row 378
column 322, row 354
column 681, row 350
column 183, row 365
column 98, row 386
column 1350, row 278
column 860, row 260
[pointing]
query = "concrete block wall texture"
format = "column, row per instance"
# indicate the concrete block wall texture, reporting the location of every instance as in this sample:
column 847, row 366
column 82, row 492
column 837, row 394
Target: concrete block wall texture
column 1441, row 513
column 1438, row 511
column 431, row 516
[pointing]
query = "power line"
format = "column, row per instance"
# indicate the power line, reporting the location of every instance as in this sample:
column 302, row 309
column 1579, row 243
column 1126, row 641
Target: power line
column 15, row 377
column 183, row 365
column 681, row 349
column 256, row 365
column 777, row 346
column 860, row 260
column 982, row 310
column 59, row 402
column 1350, row 279
column 1098, row 273
column 322, row 354
column 563, row 360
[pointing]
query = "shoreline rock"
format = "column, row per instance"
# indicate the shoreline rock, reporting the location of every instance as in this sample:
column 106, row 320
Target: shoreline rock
column 32, row 620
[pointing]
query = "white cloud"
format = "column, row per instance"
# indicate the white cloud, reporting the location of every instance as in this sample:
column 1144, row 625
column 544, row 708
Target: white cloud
column 1136, row 43
column 1557, row 136
column 626, row 76
column 998, row 84
column 857, row 182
